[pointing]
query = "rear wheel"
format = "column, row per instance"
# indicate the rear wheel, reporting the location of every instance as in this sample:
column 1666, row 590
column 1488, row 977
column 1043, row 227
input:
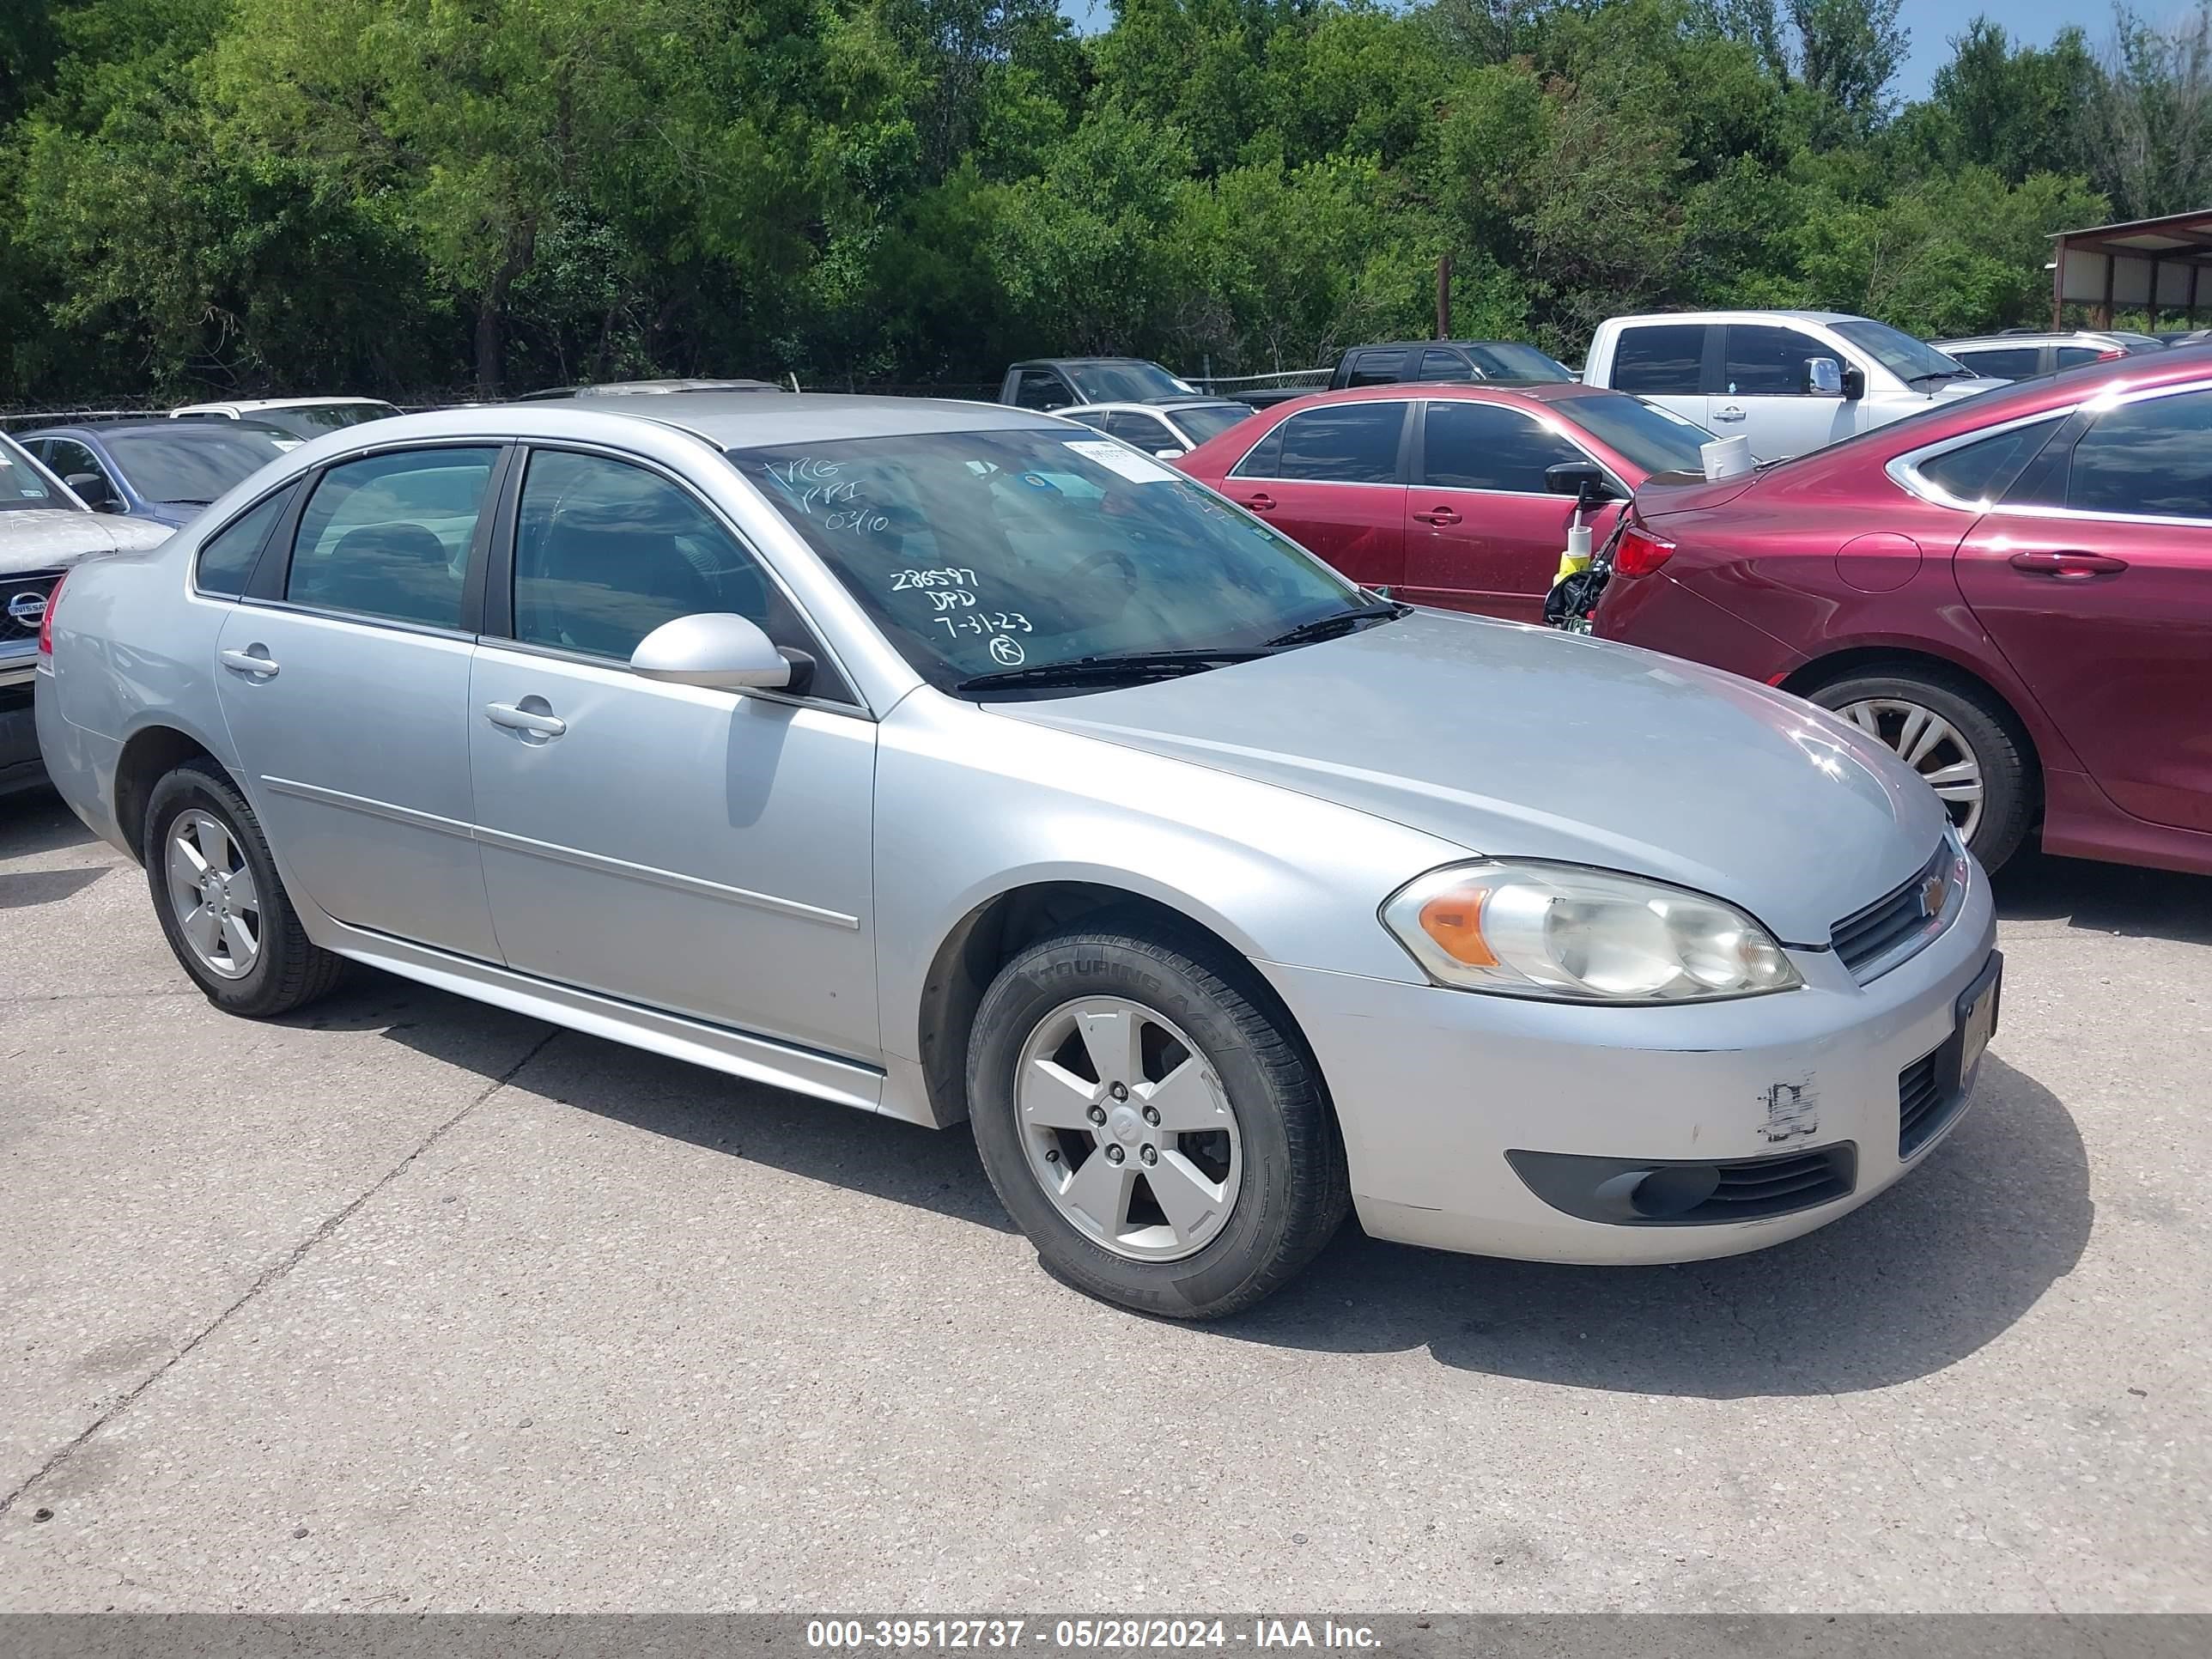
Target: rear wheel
column 1161, row 1137
column 1959, row 738
column 221, row 904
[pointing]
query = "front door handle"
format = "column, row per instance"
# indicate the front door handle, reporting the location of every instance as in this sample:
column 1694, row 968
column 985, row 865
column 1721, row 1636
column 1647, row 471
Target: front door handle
column 524, row 721
column 254, row 662
column 1259, row 503
column 1730, row 413
column 2067, row 567
column 1441, row 515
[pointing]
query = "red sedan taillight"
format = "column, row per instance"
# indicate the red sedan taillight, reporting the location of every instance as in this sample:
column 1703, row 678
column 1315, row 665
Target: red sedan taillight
column 1640, row 552
column 46, row 622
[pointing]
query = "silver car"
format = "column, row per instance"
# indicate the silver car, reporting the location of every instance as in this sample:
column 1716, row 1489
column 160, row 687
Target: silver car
column 954, row 762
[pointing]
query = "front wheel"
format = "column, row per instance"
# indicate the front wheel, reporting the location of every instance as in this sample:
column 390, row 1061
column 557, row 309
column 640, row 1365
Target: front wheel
column 1161, row 1138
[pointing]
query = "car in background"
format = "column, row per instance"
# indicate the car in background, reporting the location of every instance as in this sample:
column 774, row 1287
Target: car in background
column 2184, row 336
column 162, row 469
column 1166, row 429
column 305, row 419
column 1788, row 380
column 1057, row 383
column 2014, row 593
column 2016, row 354
column 1453, row 496
column 1447, row 362
column 646, row 389
column 44, row 528
column 950, row 761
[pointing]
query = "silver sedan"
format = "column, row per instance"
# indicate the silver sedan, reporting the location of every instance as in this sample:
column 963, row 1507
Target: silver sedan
column 956, row 763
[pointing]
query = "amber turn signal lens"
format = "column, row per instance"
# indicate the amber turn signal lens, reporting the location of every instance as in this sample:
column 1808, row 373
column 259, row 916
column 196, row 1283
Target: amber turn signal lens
column 1454, row 920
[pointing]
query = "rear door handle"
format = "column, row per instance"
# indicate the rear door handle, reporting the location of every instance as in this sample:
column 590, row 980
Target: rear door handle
column 2067, row 567
column 1438, row 516
column 1259, row 503
column 1730, row 413
column 522, row 719
column 255, row 662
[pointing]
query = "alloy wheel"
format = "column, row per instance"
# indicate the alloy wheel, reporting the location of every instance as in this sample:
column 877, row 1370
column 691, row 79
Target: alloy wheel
column 212, row 892
column 1127, row 1127
column 1931, row 746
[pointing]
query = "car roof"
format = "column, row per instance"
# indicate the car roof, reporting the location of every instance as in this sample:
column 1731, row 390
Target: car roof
column 727, row 420
column 627, row 388
column 1152, row 406
column 1398, row 345
column 2029, row 336
column 1739, row 317
column 277, row 403
column 1480, row 392
column 163, row 426
column 1055, row 362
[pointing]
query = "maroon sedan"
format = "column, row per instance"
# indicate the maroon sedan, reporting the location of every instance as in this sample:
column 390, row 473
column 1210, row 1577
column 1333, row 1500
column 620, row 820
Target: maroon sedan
column 2014, row 591
column 1454, row 496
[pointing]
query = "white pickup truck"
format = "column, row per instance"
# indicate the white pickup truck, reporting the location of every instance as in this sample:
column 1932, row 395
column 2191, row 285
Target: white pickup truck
column 1788, row 380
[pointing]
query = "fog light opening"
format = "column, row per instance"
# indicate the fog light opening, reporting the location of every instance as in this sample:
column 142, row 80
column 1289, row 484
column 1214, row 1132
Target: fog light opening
column 1674, row 1191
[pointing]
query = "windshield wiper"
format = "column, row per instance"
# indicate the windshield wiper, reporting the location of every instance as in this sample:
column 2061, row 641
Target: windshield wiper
column 1338, row 622
column 181, row 501
column 1942, row 374
column 1126, row 665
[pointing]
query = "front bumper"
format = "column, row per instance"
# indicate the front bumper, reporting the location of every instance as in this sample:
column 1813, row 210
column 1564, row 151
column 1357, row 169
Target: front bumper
column 1434, row 1088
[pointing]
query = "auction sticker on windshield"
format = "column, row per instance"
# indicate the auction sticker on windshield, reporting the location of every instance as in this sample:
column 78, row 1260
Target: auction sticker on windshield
column 1126, row 462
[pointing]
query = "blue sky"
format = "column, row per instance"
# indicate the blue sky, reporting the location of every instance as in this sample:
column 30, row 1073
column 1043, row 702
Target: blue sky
column 1933, row 23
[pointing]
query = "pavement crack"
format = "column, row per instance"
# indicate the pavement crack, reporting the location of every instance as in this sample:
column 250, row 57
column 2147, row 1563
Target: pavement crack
column 277, row 1270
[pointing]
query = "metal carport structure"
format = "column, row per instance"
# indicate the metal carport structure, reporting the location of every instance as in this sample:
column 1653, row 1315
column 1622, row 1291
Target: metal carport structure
column 2146, row 264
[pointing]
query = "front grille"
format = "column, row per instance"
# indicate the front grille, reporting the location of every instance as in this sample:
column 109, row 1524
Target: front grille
column 23, row 603
column 1775, row 1185
column 1863, row 937
column 1923, row 1107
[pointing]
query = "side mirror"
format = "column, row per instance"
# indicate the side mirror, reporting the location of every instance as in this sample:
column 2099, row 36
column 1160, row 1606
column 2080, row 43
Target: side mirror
column 1171, row 454
column 1583, row 480
column 1854, row 384
column 720, row 651
column 1824, row 377
column 93, row 489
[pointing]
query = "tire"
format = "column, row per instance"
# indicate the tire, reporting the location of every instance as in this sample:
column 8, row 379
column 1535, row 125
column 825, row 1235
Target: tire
column 1984, row 726
column 285, row 969
column 1286, row 1190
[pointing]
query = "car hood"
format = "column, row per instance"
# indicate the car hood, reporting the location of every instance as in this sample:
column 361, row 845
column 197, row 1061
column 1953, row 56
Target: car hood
column 1515, row 741
column 43, row 538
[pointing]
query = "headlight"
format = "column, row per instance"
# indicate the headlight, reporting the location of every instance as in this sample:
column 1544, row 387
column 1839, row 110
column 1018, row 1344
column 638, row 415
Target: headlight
column 1561, row 931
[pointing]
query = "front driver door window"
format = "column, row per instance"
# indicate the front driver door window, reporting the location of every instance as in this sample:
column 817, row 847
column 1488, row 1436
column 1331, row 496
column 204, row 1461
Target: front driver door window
column 1766, row 396
column 703, row 852
column 344, row 679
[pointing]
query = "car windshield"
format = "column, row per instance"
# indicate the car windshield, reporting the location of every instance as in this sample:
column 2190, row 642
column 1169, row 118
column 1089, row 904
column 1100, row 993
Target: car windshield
column 24, row 488
column 1505, row 360
column 1645, row 435
column 191, row 462
column 979, row 552
column 1204, row 422
column 1909, row 359
column 1130, row 381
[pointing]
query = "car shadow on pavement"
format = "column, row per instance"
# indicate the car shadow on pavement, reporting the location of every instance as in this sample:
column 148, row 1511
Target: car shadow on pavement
column 882, row 1157
column 1942, row 1263
column 34, row 821
column 2110, row 898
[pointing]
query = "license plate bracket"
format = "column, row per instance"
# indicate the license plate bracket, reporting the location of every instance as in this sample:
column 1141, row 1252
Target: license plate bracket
column 1977, row 1022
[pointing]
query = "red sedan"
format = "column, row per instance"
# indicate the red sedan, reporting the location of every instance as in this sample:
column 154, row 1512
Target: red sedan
column 2014, row 591
column 1454, row 496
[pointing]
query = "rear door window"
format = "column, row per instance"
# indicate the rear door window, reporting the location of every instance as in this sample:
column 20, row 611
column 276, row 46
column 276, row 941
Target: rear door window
column 1488, row 447
column 388, row 536
column 1984, row 470
column 1658, row 358
column 2074, row 356
column 1041, row 388
column 1345, row 443
column 227, row 560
